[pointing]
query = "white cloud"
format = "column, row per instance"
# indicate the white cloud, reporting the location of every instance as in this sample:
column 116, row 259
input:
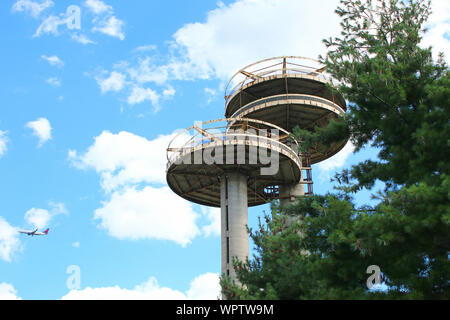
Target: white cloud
column 3, row 141
column 98, row 6
column 143, row 73
column 124, row 162
column 248, row 30
column 204, row 287
column 213, row 216
column 144, row 48
column 105, row 22
column 40, row 218
column 76, row 244
column 245, row 31
column 169, row 92
column 53, row 60
column 438, row 34
column 210, row 93
column 9, row 241
column 233, row 36
column 115, row 82
column 149, row 290
column 147, row 71
column 338, row 160
column 55, row 82
column 71, row 18
column 111, row 27
column 150, row 213
column 31, row 7
column 139, row 95
column 131, row 211
column 51, row 24
column 7, row 292
column 57, row 208
column 41, row 129
column 125, row 159
column 81, row 38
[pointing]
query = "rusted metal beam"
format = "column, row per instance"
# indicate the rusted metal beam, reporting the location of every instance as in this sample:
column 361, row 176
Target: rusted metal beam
column 321, row 69
column 177, row 184
column 256, row 194
column 249, row 94
column 186, row 173
column 326, row 115
column 201, row 188
column 205, row 133
column 251, row 75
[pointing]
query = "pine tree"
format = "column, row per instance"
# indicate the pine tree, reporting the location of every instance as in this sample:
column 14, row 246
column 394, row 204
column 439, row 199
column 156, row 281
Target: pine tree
column 399, row 103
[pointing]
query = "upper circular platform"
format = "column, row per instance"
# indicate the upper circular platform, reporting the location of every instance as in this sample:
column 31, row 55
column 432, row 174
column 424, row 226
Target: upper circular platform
column 276, row 76
column 201, row 155
column 286, row 91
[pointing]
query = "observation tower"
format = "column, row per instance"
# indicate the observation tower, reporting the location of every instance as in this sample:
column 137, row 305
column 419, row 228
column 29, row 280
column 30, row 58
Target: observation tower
column 249, row 157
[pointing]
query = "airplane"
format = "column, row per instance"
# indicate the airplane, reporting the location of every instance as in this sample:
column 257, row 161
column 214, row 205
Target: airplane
column 35, row 232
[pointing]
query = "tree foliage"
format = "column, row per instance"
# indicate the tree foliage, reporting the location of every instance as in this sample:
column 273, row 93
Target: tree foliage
column 399, row 103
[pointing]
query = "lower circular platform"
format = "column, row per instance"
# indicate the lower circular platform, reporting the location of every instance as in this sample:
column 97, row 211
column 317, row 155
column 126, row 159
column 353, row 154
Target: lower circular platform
column 196, row 177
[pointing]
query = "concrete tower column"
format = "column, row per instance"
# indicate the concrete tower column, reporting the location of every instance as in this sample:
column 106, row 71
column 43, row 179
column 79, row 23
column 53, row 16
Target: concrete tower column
column 289, row 193
column 234, row 212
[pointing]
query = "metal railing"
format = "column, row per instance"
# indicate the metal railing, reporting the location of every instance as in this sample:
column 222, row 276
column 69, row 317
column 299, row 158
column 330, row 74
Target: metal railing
column 222, row 131
column 284, row 65
column 292, row 97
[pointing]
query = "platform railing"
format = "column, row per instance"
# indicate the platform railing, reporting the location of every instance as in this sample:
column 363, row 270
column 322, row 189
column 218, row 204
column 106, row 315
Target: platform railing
column 285, row 65
column 293, row 97
column 222, row 131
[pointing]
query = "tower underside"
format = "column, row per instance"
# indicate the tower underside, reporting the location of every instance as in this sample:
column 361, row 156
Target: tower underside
column 192, row 178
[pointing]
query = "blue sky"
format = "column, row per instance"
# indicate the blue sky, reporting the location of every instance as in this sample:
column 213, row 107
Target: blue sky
column 88, row 108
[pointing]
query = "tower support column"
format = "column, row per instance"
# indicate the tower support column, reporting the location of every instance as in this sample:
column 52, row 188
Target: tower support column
column 290, row 193
column 234, row 219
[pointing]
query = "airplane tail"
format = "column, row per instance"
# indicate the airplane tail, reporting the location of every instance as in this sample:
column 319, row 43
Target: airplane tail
column 46, row 231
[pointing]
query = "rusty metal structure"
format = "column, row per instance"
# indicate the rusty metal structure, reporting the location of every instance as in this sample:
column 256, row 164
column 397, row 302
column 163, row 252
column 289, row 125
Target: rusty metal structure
column 220, row 163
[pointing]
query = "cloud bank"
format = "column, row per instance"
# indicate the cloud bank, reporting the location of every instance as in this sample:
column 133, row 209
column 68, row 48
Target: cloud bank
column 203, row 287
